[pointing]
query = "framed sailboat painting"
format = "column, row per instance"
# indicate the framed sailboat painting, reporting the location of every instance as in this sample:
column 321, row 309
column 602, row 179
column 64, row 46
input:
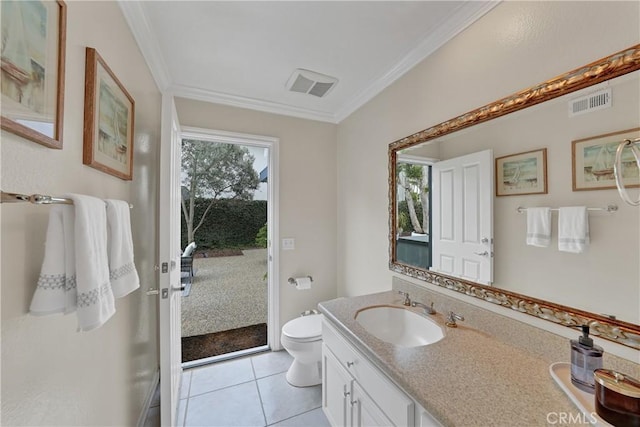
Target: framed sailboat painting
column 522, row 173
column 593, row 161
column 109, row 113
column 33, row 59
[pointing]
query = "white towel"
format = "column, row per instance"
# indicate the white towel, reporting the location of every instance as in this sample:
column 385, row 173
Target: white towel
column 95, row 298
column 539, row 227
column 573, row 229
column 122, row 270
column 56, row 289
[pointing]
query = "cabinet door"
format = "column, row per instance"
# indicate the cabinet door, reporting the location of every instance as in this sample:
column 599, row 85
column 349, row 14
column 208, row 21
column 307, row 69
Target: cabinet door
column 395, row 404
column 364, row 412
column 426, row 420
column 336, row 390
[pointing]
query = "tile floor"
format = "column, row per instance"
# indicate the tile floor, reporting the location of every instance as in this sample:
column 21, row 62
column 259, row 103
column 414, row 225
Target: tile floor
column 251, row 391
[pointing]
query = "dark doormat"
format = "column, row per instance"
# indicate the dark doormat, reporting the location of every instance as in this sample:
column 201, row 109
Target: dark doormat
column 209, row 345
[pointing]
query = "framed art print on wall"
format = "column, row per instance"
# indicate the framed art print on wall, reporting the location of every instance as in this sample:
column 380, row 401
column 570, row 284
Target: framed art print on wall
column 109, row 113
column 593, row 159
column 523, row 173
column 33, row 61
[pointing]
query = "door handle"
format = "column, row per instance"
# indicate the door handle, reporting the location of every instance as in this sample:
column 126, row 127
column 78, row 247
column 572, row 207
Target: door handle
column 165, row 291
column 485, row 253
column 152, row 291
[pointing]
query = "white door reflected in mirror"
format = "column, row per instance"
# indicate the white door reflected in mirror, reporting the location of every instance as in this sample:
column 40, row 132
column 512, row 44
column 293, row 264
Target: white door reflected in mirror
column 463, row 217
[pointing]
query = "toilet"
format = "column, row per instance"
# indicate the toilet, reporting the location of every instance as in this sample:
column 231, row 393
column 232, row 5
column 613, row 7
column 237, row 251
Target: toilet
column 302, row 338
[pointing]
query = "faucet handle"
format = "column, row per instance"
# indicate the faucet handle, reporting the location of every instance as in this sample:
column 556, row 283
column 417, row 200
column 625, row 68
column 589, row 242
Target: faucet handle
column 407, row 300
column 431, row 310
column 451, row 319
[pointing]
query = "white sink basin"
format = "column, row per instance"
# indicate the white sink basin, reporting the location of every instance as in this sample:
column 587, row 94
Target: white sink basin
column 399, row 326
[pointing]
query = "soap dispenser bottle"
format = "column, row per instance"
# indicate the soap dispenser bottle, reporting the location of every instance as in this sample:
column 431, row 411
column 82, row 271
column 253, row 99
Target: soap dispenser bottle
column 585, row 358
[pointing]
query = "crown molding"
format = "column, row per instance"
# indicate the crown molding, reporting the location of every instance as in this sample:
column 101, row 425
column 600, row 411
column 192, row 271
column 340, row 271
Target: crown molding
column 251, row 103
column 141, row 29
column 452, row 26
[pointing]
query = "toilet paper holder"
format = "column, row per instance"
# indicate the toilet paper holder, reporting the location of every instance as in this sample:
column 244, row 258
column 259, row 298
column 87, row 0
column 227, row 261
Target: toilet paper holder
column 292, row 281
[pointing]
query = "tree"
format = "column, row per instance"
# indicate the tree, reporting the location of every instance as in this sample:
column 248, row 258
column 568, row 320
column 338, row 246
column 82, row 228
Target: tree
column 413, row 179
column 213, row 171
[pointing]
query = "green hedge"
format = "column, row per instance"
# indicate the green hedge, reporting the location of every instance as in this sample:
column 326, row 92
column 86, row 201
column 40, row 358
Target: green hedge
column 229, row 223
column 403, row 213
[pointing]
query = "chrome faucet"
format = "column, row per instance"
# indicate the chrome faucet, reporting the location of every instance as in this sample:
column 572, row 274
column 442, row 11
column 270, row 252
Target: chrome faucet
column 428, row 309
column 407, row 301
column 451, row 319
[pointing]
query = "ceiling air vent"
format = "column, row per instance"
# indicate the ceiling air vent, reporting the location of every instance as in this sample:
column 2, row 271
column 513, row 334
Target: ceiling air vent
column 305, row 81
column 591, row 102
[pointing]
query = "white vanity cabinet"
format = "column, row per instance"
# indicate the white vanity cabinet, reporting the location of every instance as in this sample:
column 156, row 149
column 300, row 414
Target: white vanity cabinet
column 354, row 392
column 336, row 390
column 364, row 411
column 344, row 401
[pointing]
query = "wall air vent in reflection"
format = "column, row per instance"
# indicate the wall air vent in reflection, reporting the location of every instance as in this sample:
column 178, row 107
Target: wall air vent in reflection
column 591, row 102
column 305, row 81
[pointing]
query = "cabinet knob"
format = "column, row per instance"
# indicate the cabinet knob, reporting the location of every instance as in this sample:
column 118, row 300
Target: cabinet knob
column 354, row 402
column 346, row 393
column 349, row 364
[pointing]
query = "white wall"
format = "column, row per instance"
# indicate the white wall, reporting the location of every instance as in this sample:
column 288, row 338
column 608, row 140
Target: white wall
column 307, row 195
column 51, row 374
column 514, row 46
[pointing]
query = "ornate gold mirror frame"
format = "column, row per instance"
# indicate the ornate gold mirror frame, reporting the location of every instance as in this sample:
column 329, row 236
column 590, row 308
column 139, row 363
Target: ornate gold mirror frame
column 615, row 65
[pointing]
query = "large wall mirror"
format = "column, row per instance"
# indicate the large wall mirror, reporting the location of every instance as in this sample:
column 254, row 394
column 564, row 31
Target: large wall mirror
column 572, row 143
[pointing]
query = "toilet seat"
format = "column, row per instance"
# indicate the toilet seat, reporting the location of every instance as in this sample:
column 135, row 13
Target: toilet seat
column 304, row 329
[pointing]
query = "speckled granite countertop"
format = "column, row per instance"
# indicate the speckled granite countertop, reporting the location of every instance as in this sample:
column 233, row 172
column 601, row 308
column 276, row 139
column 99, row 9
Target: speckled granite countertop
column 468, row 378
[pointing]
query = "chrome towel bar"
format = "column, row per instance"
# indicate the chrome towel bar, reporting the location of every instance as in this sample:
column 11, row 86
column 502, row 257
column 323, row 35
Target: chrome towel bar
column 609, row 208
column 37, row 199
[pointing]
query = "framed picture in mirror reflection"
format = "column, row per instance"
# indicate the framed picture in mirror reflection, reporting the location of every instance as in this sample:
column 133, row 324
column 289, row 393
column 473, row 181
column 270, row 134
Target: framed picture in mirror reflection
column 522, row 173
column 593, row 159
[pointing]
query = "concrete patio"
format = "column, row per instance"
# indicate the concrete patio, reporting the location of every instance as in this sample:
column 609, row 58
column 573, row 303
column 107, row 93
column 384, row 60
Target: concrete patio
column 226, row 293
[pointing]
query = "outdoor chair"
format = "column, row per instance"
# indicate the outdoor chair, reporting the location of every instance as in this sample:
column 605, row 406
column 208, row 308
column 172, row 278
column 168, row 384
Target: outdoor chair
column 186, row 262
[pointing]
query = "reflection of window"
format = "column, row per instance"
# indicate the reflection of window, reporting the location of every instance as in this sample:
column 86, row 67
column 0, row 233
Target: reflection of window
column 414, row 198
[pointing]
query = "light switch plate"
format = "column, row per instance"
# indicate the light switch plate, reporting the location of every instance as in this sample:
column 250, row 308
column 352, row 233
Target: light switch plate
column 288, row 244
